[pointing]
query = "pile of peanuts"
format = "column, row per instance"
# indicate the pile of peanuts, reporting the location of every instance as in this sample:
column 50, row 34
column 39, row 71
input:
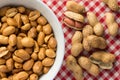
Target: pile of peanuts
column 86, row 38
column 27, row 44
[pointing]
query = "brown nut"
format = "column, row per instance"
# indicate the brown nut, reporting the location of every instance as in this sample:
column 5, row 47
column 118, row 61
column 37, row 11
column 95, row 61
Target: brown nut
column 29, row 50
column 92, row 19
column 17, row 59
column 75, row 7
column 77, row 37
column 30, row 72
column 72, row 64
column 3, row 39
column 86, row 45
column 11, row 49
column 25, row 19
column 9, row 55
column 17, row 17
column 87, row 30
column 11, row 12
column 47, row 62
column 47, row 29
column 36, row 47
column 9, row 30
column 9, row 64
column 69, row 21
column 94, row 70
column 33, row 77
column 52, row 43
column 109, row 18
column 98, row 29
column 37, row 67
column 2, row 61
column 3, row 51
column 41, row 54
column 50, row 53
column 21, row 76
column 76, row 49
column 34, row 15
column 74, row 16
column 27, row 42
column 34, row 56
column 12, row 40
column 112, row 4
column 4, row 25
column 103, row 59
column 28, row 64
column 39, row 28
column 22, row 35
column 26, row 27
column 21, row 53
column 4, row 19
column 14, row 71
column 18, row 65
column 19, row 43
column 103, row 43
column 42, row 20
column 32, row 32
column 3, row 10
column 21, row 9
column 46, row 69
column 33, row 23
column 3, row 68
column 11, row 22
column 40, row 38
column 45, row 46
column 86, row 64
column 46, row 39
column 113, row 29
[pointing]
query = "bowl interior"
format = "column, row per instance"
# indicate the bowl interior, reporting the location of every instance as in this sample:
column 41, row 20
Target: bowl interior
column 45, row 11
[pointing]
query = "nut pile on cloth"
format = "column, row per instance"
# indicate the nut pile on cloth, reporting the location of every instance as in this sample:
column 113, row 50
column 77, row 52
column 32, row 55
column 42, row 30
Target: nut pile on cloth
column 113, row 43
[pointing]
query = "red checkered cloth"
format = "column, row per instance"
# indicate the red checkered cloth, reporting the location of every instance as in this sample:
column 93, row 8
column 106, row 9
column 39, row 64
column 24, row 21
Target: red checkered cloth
column 99, row 8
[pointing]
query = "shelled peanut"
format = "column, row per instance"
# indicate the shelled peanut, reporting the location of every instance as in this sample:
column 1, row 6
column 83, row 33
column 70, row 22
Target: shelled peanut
column 28, row 45
column 73, row 16
column 112, row 4
column 111, row 24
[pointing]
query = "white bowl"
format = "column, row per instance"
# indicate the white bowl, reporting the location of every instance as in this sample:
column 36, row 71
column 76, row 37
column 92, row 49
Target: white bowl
column 45, row 11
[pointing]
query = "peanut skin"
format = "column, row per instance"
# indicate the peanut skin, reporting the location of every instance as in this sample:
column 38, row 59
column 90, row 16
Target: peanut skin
column 69, row 21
